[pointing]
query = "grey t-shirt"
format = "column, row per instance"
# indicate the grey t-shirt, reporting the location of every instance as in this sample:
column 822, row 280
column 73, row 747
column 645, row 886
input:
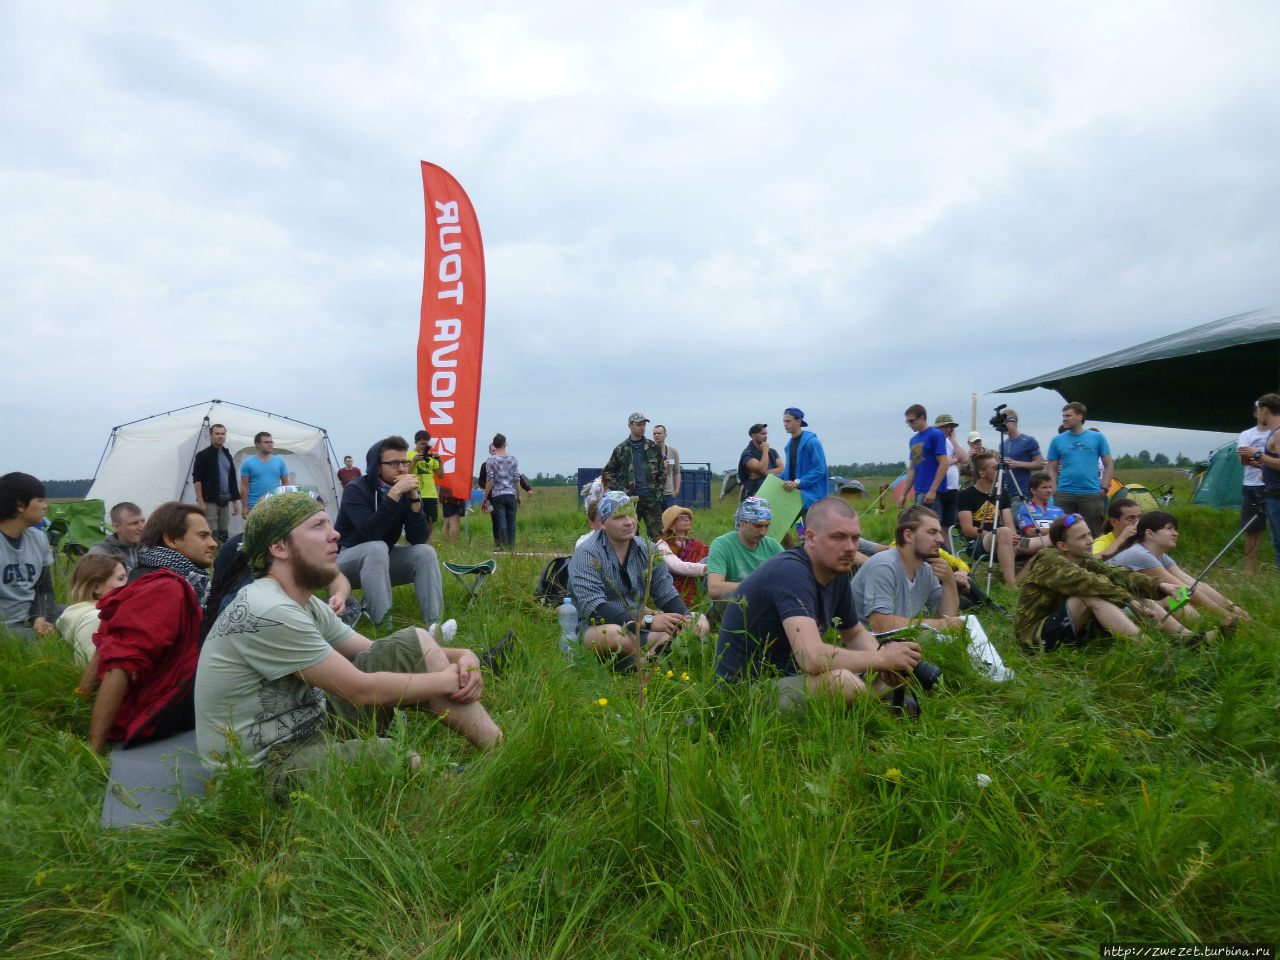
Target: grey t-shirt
column 881, row 586
column 247, row 686
column 1139, row 557
column 21, row 563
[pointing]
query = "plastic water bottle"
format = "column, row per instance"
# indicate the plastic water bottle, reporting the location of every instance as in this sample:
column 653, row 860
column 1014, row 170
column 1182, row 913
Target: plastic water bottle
column 568, row 615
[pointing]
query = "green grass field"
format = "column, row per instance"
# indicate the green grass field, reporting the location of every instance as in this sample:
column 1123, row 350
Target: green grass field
column 1132, row 795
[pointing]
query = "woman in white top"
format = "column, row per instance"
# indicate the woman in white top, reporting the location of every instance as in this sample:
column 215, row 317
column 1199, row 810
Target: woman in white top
column 1155, row 536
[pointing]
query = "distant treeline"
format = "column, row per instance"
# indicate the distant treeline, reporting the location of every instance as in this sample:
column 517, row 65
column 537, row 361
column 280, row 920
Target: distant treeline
column 66, row 489
column 867, row 469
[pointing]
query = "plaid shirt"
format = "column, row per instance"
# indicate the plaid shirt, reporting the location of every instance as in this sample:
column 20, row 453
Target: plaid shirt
column 596, row 578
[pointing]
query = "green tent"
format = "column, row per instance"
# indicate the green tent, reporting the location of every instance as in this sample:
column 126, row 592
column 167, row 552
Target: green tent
column 1219, row 484
column 1204, row 378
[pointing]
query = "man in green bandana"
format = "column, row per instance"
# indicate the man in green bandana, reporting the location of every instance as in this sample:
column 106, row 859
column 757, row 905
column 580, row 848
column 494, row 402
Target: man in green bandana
column 280, row 674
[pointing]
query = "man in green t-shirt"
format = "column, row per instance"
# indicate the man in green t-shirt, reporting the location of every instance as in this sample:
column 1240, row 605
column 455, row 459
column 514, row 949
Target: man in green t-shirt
column 279, row 670
column 735, row 555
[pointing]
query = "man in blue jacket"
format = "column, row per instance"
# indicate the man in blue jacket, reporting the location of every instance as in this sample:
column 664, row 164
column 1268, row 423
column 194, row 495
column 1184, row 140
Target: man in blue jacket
column 806, row 467
column 376, row 509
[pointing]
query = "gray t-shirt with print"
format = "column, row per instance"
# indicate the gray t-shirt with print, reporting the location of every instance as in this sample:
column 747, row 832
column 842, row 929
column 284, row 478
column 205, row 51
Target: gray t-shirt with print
column 248, row 690
column 22, row 561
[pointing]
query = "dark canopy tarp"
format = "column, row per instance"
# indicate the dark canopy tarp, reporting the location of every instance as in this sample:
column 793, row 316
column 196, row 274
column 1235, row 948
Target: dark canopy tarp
column 1204, row 378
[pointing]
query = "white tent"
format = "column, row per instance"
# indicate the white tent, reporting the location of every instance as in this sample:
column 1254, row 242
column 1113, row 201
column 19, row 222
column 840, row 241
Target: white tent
column 149, row 461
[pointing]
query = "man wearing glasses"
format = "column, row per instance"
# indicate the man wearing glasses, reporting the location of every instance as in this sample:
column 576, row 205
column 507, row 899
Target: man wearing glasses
column 262, row 472
column 376, row 509
column 927, row 460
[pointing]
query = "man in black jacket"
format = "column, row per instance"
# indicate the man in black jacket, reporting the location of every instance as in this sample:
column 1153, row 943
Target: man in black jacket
column 214, row 474
column 376, row 509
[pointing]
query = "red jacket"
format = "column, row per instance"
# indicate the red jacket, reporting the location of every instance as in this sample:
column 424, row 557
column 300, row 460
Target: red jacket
column 150, row 630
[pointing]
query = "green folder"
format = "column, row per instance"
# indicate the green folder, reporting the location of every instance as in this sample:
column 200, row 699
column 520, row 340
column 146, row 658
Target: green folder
column 785, row 504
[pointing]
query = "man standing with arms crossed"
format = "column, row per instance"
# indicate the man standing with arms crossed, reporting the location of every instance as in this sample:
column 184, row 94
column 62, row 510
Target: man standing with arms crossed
column 1073, row 464
column 213, row 474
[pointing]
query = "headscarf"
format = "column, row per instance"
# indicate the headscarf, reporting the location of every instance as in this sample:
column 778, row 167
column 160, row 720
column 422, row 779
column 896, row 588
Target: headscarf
column 752, row 510
column 270, row 521
column 615, row 503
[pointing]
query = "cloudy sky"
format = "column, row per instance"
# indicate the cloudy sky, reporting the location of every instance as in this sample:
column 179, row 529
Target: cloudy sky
column 704, row 211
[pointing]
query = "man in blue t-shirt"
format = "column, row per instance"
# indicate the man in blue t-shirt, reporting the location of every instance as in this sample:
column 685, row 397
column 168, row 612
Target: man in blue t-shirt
column 262, row 472
column 1021, row 454
column 926, row 459
column 777, row 619
column 1072, row 463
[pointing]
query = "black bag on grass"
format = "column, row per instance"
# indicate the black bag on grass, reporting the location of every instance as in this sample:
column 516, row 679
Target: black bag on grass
column 553, row 585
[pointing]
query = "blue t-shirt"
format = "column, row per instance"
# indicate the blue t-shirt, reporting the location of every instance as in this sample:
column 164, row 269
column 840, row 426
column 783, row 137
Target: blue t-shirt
column 1078, row 455
column 1025, row 448
column 263, row 477
column 923, row 452
column 753, row 642
column 1030, row 515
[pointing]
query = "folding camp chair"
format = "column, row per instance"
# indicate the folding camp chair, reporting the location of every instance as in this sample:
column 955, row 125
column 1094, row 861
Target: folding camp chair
column 479, row 572
column 74, row 527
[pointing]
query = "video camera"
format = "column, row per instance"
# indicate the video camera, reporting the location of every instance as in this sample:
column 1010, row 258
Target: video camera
column 1001, row 420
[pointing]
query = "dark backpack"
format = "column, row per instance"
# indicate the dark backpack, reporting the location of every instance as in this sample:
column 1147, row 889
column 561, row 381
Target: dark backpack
column 553, row 585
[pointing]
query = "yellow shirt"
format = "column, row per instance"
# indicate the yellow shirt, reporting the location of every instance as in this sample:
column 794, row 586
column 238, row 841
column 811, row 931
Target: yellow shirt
column 1102, row 542
column 425, row 468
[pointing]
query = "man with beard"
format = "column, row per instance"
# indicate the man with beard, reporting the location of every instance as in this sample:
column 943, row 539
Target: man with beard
column 278, row 654
column 777, row 618
column 148, row 643
column 894, row 587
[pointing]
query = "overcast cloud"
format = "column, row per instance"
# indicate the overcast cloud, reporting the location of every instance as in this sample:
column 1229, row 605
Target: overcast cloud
column 706, row 211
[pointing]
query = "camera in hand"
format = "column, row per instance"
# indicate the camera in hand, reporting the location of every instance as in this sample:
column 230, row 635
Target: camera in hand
column 1001, row 420
column 926, row 674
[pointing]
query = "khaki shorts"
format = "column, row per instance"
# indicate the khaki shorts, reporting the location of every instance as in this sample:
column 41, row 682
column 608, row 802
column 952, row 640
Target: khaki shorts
column 345, row 723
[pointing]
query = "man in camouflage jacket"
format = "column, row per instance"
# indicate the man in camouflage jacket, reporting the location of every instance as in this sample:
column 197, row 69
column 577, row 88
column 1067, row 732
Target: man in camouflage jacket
column 1065, row 594
column 637, row 469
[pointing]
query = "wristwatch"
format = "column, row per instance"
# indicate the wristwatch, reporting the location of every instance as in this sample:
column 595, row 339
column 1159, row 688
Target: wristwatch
column 648, row 620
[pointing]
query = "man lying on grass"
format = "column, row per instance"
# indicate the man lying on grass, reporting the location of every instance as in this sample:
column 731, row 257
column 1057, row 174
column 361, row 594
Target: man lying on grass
column 277, row 650
column 1066, row 594
column 776, row 619
column 627, row 605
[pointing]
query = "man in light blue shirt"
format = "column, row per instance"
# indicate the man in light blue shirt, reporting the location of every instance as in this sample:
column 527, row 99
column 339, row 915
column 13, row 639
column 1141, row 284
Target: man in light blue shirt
column 1072, row 463
column 262, row 472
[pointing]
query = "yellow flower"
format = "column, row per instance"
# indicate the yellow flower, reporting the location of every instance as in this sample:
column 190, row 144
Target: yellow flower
column 684, row 677
column 670, row 674
column 894, row 774
column 603, row 702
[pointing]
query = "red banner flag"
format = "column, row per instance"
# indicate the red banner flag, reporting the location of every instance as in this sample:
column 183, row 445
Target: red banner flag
column 451, row 337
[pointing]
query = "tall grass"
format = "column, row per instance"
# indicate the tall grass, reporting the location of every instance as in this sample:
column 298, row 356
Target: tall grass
column 1132, row 794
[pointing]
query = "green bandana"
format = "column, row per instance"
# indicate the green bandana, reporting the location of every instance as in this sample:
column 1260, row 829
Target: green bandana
column 270, row 521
